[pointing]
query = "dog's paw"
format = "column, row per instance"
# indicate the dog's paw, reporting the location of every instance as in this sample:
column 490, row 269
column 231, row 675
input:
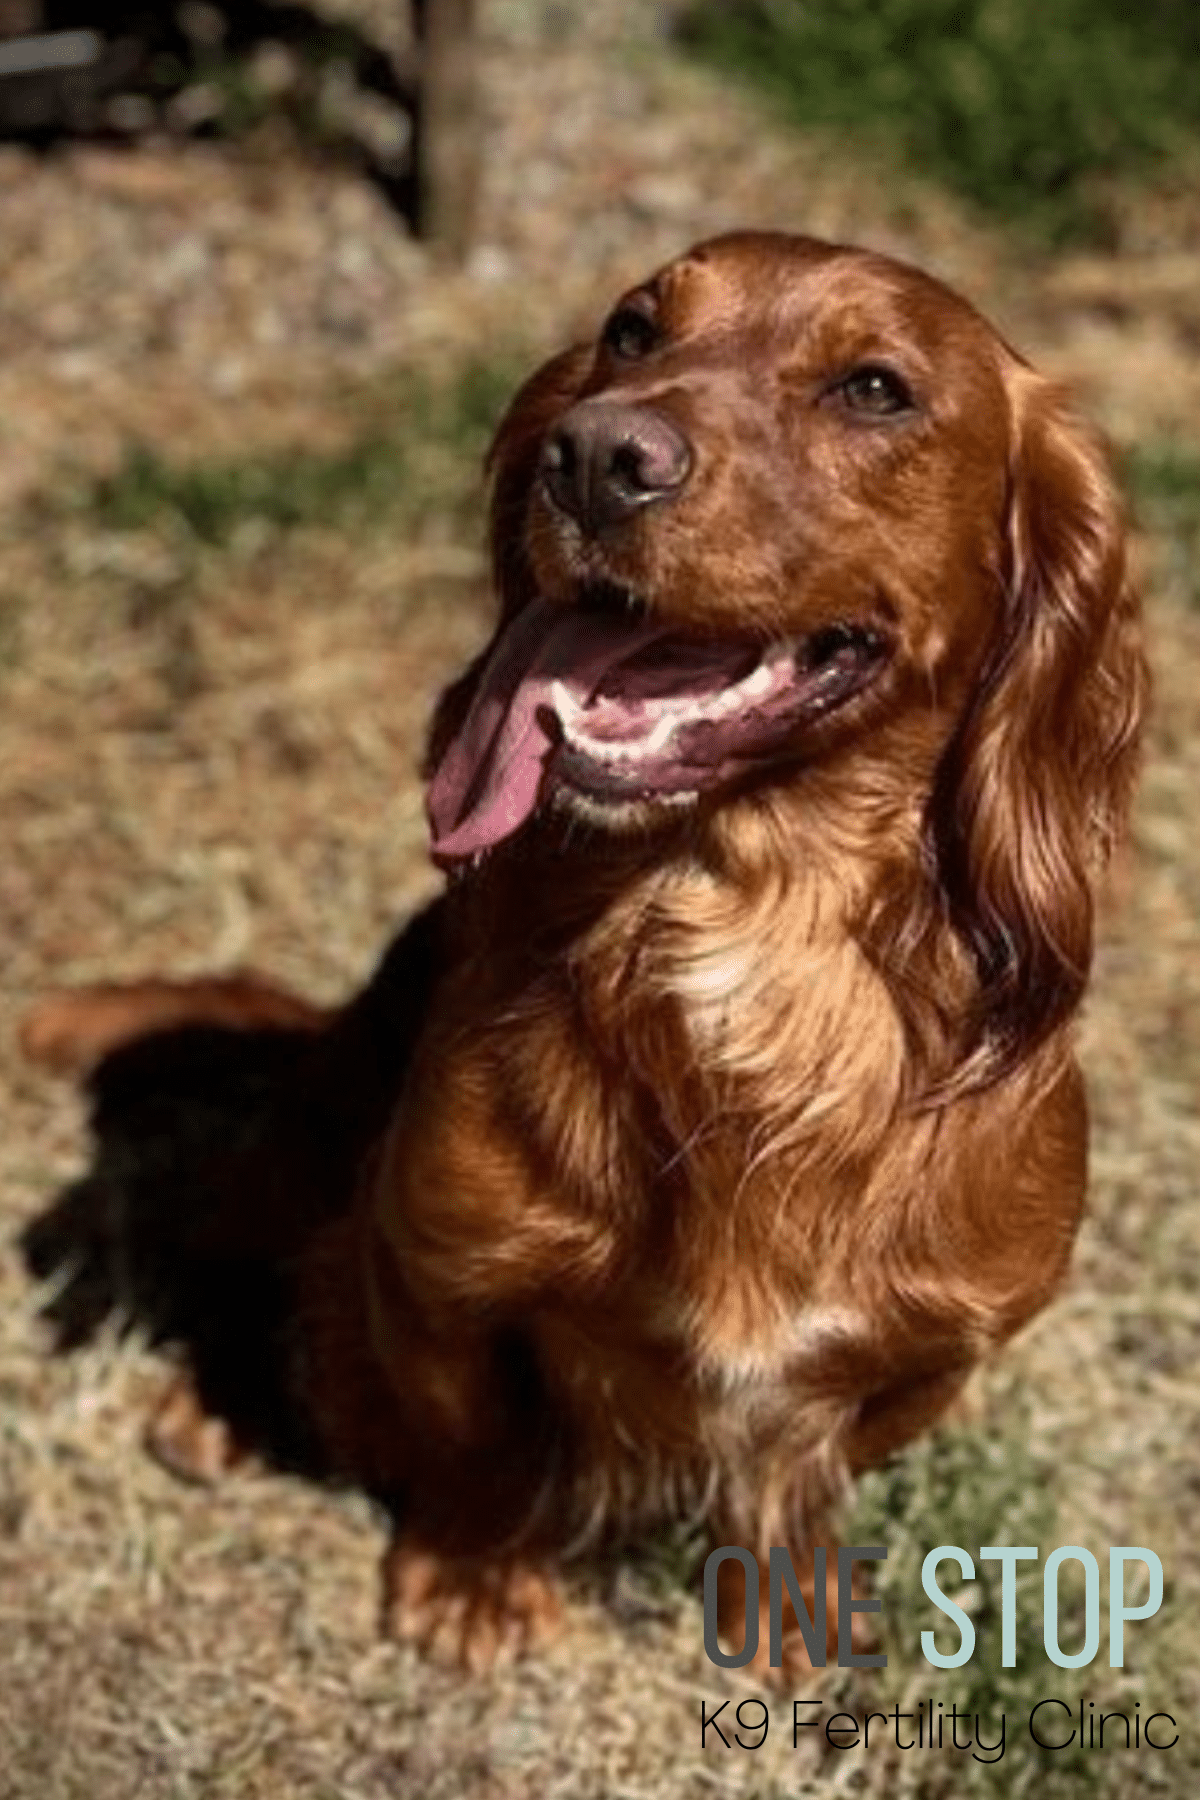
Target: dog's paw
column 466, row 1611
column 189, row 1442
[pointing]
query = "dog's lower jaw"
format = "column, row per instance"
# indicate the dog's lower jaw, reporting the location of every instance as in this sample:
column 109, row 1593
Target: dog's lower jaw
column 620, row 817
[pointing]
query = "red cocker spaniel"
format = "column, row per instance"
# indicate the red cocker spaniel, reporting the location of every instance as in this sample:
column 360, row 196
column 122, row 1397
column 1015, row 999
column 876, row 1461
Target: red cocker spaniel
column 689, row 1152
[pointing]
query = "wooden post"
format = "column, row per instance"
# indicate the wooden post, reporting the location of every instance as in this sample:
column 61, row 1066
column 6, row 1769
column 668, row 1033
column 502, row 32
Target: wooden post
column 446, row 126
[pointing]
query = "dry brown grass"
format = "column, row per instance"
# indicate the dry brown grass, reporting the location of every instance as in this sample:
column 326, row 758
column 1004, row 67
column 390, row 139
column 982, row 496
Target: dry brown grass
column 207, row 757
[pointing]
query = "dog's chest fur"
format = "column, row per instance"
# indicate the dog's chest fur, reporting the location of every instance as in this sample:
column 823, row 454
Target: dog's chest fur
column 729, row 1118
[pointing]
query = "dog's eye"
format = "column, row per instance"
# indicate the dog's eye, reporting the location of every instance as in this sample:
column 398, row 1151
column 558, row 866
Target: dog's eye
column 874, row 390
column 630, row 333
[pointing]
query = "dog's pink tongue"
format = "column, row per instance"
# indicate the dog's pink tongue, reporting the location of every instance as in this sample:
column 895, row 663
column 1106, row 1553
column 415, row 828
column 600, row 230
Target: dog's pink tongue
column 487, row 782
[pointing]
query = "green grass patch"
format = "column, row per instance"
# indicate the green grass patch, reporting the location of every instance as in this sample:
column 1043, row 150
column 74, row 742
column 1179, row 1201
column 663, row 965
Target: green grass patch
column 416, row 457
column 212, row 499
column 1164, row 480
column 971, row 1487
column 1027, row 108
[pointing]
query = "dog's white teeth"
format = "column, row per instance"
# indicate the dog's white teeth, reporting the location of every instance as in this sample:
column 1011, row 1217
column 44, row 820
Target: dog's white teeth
column 566, row 705
column 663, row 731
column 666, row 714
column 758, row 682
column 731, row 701
column 600, row 751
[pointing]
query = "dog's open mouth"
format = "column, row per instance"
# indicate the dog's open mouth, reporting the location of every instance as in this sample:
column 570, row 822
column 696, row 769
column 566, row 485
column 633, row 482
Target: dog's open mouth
column 622, row 711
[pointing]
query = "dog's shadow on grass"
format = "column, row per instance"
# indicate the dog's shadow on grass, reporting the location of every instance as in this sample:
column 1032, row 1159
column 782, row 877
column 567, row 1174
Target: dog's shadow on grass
column 217, row 1152
column 140, row 1241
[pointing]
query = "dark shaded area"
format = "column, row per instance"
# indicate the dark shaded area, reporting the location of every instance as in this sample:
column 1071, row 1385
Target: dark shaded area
column 208, row 69
column 217, row 1153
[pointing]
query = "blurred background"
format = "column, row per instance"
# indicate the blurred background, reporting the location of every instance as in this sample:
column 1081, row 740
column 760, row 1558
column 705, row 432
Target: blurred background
column 267, row 276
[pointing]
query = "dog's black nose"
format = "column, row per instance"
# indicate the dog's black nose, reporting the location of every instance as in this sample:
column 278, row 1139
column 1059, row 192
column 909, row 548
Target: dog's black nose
column 604, row 462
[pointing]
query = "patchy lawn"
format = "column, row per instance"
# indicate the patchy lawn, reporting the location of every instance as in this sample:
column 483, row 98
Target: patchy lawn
column 241, row 422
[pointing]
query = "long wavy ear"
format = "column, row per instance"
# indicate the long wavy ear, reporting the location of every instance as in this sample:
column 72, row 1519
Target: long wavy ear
column 1035, row 787
column 512, row 463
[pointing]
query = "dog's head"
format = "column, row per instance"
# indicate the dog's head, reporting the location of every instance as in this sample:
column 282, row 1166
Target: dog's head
column 799, row 526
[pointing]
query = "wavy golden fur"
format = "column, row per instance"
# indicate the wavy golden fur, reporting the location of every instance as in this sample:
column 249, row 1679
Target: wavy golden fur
column 736, row 1125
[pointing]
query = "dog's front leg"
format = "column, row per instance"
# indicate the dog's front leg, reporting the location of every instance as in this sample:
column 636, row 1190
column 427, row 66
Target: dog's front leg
column 469, row 1573
column 460, row 1245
